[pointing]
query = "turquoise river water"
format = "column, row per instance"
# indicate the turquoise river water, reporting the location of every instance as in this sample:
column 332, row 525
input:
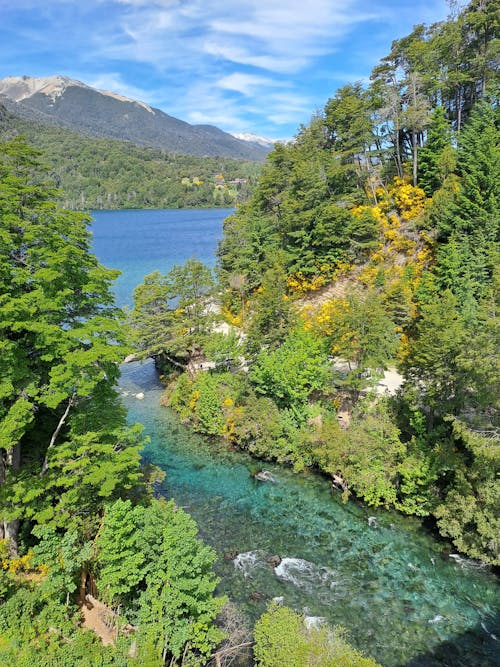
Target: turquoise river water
column 381, row 575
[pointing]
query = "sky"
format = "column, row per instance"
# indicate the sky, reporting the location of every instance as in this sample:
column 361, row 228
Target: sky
column 258, row 66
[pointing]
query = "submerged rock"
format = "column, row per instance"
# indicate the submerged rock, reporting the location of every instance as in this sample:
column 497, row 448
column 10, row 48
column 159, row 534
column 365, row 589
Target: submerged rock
column 265, row 476
column 256, row 596
column 274, row 560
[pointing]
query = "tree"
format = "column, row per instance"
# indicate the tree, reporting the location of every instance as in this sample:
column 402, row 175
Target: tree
column 173, row 313
column 178, row 608
column 348, row 120
column 478, row 167
column 469, row 228
column 432, row 363
column 120, row 559
column 63, row 555
column 281, row 638
column 361, row 333
column 468, row 514
column 61, row 341
column 291, row 372
column 272, row 314
column 415, row 116
column 436, row 157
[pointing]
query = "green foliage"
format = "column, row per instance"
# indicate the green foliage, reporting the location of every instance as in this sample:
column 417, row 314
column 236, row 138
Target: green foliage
column 281, row 638
column 207, row 401
column 436, row 158
column 207, row 408
column 268, row 432
column 178, row 608
column 121, row 562
column 98, row 173
column 432, row 363
column 151, row 559
column 172, row 313
column 349, row 122
column 293, row 371
column 63, row 555
column 471, row 222
column 39, row 631
column 63, row 432
column 273, row 315
column 374, row 455
column 364, row 335
column 469, row 513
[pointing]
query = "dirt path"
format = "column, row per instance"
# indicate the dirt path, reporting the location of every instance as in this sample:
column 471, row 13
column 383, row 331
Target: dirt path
column 100, row 619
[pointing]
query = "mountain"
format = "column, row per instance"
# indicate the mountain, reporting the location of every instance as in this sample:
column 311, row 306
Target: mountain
column 255, row 139
column 65, row 102
column 99, row 172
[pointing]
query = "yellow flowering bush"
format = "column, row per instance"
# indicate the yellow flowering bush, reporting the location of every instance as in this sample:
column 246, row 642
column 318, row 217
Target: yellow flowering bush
column 299, row 284
column 194, row 399
column 235, row 319
column 409, row 199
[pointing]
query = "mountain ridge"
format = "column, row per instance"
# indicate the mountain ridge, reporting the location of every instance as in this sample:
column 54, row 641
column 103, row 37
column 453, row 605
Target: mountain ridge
column 69, row 103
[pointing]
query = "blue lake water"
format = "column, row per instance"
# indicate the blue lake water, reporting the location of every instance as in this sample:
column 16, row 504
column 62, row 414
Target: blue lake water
column 385, row 579
column 139, row 241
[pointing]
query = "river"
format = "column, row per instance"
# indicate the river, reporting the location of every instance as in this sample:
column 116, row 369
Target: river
column 380, row 575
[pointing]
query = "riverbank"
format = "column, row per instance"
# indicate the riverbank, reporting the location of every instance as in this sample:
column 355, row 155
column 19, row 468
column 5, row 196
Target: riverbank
column 385, row 582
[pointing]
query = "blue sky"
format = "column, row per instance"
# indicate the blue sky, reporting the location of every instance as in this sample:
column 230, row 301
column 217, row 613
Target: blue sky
column 261, row 66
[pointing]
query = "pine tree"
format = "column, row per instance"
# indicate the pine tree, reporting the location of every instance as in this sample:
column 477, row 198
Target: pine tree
column 435, row 154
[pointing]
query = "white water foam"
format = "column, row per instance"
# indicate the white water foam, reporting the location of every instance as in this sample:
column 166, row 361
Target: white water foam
column 304, row 574
column 247, row 561
column 437, row 619
column 314, row 622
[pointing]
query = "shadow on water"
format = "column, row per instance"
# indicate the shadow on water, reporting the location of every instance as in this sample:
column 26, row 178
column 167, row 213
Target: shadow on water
column 477, row 647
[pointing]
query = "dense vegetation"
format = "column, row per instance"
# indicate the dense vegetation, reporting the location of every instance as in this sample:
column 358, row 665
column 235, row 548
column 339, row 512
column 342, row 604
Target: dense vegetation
column 370, row 242
column 76, row 508
column 99, row 173
column 93, row 569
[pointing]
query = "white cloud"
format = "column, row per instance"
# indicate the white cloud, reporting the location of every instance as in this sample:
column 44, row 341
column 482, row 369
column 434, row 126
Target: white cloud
column 246, row 84
column 269, row 35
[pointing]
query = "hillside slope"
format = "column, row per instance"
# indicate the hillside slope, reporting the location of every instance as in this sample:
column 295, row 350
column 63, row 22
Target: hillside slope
column 72, row 104
column 101, row 173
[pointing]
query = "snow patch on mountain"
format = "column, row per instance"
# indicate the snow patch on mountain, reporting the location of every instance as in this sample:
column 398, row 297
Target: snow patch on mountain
column 255, row 139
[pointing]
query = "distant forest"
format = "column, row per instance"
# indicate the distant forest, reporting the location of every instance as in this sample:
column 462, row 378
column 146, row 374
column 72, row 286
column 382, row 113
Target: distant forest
column 97, row 173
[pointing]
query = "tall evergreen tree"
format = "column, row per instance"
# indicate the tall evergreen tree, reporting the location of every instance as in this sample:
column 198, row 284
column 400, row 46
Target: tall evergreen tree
column 469, row 230
column 436, row 158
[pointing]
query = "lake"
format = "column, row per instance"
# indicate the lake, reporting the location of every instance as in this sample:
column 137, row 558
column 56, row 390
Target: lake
column 379, row 574
column 139, row 241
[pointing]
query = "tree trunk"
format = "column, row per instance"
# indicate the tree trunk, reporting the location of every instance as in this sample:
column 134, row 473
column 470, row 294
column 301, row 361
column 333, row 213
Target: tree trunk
column 56, row 433
column 10, row 529
column 415, row 156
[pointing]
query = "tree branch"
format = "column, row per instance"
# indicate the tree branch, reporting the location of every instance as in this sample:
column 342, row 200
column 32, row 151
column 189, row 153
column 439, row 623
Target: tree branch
column 53, row 439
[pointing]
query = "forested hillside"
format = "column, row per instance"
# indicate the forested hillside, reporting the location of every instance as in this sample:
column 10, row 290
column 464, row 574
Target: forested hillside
column 369, row 243
column 95, row 173
column 63, row 102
